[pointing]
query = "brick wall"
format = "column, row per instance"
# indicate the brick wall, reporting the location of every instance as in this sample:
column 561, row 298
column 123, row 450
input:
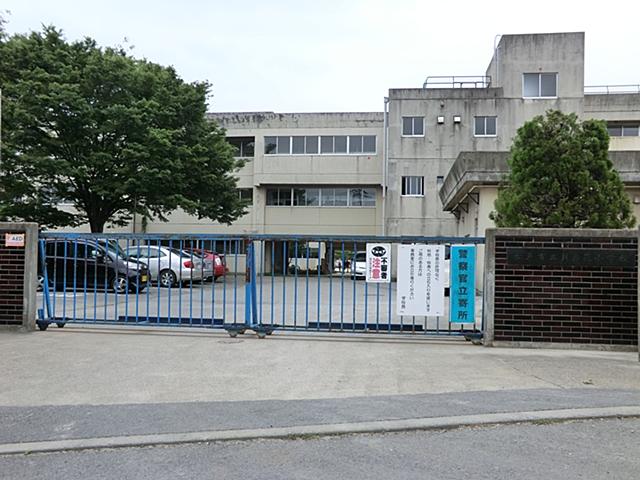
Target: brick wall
column 565, row 303
column 12, row 271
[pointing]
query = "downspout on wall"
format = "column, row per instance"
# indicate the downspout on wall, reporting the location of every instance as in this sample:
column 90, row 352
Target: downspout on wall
column 385, row 162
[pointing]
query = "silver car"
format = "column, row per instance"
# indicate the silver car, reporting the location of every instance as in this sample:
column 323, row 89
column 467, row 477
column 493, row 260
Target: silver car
column 168, row 266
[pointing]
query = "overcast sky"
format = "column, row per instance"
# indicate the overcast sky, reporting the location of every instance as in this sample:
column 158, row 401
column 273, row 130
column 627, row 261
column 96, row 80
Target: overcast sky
column 330, row 55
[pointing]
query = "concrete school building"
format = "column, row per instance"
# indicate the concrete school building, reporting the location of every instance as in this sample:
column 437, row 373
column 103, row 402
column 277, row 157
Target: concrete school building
column 430, row 163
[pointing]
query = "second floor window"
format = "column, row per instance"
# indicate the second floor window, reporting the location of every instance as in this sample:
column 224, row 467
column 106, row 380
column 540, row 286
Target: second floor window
column 484, row 127
column 413, row 186
column 412, row 126
column 244, row 146
column 246, row 194
column 624, row 130
column 539, row 85
column 323, row 145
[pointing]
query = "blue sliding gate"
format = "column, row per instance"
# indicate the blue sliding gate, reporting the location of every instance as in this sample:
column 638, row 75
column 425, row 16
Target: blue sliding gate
column 259, row 283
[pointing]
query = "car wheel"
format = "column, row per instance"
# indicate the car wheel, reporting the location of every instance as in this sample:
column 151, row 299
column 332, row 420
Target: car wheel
column 167, row 278
column 119, row 284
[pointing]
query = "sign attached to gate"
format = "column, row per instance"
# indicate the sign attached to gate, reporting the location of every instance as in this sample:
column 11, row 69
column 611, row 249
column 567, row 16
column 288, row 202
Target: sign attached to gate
column 463, row 284
column 421, row 272
column 14, row 239
column 378, row 269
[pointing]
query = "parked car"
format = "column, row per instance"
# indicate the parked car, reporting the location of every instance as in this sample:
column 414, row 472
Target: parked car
column 88, row 263
column 169, row 266
column 215, row 264
column 358, row 265
column 308, row 257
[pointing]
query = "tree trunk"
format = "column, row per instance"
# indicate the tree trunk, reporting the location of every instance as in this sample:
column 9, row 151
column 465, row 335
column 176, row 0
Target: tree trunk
column 96, row 224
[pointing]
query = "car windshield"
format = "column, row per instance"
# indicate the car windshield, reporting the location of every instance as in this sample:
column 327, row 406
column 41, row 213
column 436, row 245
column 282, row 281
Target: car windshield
column 182, row 253
column 112, row 247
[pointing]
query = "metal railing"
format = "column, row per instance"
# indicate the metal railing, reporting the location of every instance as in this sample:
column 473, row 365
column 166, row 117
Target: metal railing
column 289, row 282
column 610, row 89
column 469, row 81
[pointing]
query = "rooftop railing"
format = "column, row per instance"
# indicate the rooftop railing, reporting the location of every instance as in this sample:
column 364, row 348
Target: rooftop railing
column 470, row 81
column 610, row 89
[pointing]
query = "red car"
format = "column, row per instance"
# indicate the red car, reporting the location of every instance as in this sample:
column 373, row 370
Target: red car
column 216, row 260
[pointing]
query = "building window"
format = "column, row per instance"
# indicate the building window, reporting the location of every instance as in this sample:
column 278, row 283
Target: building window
column 362, row 144
column 334, row 197
column 322, row 197
column 484, row 127
column 277, row 145
column 246, row 194
column 306, row 197
column 439, row 181
column 245, row 146
column 324, row 145
column 624, row 130
column 280, row 197
column 413, row 186
column 412, row 126
column 539, row 85
column 297, row 145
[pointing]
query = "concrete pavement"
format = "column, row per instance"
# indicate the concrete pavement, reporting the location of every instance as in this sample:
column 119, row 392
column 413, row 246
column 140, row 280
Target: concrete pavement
column 95, row 384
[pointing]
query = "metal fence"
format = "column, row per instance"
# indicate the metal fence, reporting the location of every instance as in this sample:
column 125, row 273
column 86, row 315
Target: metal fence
column 238, row 283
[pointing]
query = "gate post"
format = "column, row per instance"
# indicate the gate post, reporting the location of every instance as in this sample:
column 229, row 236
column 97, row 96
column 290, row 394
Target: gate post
column 18, row 275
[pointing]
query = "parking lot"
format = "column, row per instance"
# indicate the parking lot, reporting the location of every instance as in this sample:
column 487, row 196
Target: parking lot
column 315, row 302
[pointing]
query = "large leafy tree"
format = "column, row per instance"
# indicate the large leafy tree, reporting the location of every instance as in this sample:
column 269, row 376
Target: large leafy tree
column 561, row 176
column 110, row 134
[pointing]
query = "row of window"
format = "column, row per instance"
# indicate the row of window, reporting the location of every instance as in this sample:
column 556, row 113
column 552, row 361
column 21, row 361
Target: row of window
column 321, row 197
column 483, row 126
column 624, row 130
column 320, row 144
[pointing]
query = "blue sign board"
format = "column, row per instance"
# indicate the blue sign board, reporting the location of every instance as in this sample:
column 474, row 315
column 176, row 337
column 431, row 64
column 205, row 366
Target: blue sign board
column 463, row 284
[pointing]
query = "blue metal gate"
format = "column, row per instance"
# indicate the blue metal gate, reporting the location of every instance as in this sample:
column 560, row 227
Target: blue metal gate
column 237, row 283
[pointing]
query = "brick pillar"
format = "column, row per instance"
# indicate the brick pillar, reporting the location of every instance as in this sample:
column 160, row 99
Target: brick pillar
column 562, row 287
column 18, row 275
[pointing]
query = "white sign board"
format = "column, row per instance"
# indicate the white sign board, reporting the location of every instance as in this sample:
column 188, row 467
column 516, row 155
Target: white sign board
column 378, row 268
column 14, row 239
column 421, row 273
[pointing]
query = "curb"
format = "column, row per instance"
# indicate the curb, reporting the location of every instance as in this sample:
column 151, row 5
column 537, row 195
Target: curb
column 383, row 426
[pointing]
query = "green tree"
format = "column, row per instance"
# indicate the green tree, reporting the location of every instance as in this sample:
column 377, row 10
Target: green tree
column 110, row 134
column 561, row 176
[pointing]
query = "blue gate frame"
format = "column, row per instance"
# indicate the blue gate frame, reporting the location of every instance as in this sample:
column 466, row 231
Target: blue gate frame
column 291, row 282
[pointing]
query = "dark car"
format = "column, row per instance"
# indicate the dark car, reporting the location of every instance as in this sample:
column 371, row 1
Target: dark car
column 94, row 264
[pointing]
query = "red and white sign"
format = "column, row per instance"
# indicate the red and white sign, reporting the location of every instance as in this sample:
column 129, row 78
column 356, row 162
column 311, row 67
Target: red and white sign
column 14, row 239
column 378, row 267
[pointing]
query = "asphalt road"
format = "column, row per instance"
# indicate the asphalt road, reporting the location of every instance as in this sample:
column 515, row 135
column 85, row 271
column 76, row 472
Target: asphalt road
column 591, row 449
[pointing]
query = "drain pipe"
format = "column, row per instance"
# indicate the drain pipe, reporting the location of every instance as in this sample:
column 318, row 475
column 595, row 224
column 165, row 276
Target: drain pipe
column 496, row 47
column 385, row 161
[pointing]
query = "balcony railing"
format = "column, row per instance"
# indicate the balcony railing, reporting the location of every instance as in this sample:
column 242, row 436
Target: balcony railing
column 610, row 89
column 471, row 81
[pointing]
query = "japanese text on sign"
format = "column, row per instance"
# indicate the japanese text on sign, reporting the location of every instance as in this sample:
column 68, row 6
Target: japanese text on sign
column 378, row 262
column 420, row 280
column 463, row 287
